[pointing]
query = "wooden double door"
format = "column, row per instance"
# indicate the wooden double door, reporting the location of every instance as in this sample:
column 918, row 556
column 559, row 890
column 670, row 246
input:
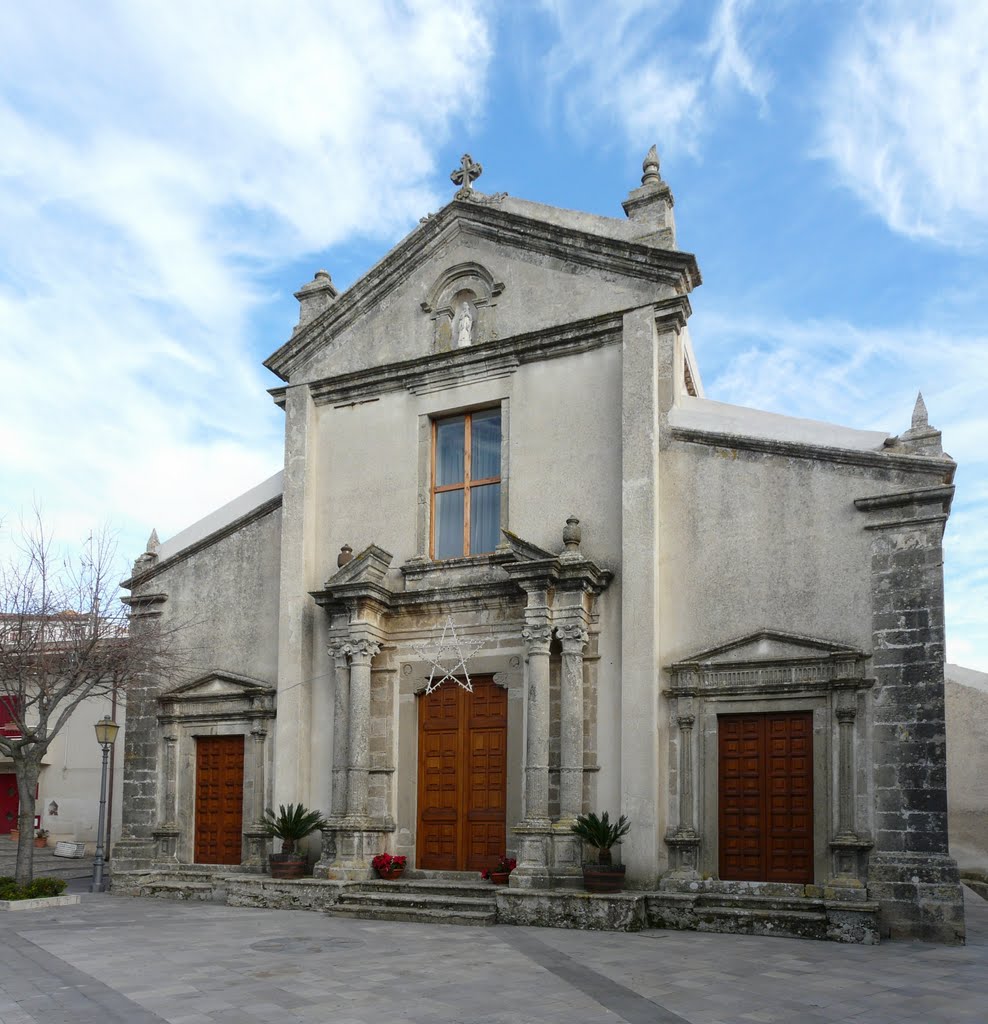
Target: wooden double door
column 766, row 797
column 462, row 776
column 219, row 806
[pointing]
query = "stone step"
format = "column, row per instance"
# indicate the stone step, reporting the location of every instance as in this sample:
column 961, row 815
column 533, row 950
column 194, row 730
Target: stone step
column 767, row 903
column 809, row 913
column 349, row 898
column 422, row 886
column 417, row 915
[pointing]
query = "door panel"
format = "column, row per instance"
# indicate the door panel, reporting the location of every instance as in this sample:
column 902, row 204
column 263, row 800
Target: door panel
column 766, row 797
column 9, row 802
column 219, row 799
column 462, row 777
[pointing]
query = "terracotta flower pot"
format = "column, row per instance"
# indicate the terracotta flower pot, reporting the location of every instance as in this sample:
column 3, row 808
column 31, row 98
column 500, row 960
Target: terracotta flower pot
column 603, row 877
column 500, row 877
column 286, row 865
column 39, row 843
column 392, row 874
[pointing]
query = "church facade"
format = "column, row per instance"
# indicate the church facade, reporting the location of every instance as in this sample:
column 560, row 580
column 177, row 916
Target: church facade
column 517, row 567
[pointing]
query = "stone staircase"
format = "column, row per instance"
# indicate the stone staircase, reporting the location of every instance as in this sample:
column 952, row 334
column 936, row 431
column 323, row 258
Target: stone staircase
column 423, row 900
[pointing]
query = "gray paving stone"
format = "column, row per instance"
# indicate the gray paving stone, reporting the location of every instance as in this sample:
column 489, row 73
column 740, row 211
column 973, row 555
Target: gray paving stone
column 115, row 959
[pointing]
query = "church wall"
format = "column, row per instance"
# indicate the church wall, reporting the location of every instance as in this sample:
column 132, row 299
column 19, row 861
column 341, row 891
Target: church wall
column 967, row 760
column 226, row 599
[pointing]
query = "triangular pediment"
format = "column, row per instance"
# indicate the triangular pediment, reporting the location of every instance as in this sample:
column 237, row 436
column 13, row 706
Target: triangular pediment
column 771, row 645
column 219, row 685
column 395, row 311
column 370, row 566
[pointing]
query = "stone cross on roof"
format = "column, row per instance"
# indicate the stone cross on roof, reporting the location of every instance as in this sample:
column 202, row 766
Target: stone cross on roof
column 467, row 173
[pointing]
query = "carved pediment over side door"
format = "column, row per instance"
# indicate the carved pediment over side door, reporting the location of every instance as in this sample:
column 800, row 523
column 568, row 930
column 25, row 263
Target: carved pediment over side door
column 219, row 695
column 769, row 661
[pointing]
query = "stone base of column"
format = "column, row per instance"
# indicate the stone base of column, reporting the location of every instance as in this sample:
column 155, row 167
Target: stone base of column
column 349, row 848
column 566, row 867
column 166, row 844
column 849, row 861
column 684, row 857
column 919, row 896
column 255, row 849
column 534, row 856
column 133, row 854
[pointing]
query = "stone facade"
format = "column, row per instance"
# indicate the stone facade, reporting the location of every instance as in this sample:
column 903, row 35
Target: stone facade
column 651, row 565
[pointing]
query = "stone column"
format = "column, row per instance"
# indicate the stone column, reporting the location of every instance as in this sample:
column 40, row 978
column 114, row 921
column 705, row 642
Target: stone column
column 340, row 652
column 537, row 639
column 167, row 833
column 535, row 832
column 358, row 739
column 574, row 638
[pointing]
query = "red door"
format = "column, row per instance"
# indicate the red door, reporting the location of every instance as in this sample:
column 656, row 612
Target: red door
column 219, row 799
column 766, row 797
column 8, row 803
column 462, row 777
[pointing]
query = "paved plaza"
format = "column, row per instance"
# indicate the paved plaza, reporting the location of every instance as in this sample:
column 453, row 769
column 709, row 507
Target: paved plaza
column 116, row 959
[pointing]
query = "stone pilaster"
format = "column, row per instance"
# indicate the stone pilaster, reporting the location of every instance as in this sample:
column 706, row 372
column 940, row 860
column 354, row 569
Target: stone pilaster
column 910, row 873
column 137, row 847
column 574, row 639
column 683, row 840
column 255, row 838
column 847, row 847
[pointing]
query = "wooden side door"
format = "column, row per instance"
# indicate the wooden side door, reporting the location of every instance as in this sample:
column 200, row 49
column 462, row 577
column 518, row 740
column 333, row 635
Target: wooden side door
column 766, row 797
column 462, row 777
column 219, row 804
column 9, row 802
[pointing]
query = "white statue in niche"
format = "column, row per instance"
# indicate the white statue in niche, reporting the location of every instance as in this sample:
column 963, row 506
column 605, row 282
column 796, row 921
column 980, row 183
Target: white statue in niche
column 465, row 329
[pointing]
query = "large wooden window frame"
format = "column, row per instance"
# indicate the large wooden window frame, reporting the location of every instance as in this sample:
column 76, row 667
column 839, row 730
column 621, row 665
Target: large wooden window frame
column 466, row 485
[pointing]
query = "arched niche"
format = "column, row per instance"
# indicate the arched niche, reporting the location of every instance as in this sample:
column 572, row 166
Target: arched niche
column 461, row 305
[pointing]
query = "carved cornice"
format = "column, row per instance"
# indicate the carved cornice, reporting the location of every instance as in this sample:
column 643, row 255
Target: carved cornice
column 914, row 507
column 569, row 245
column 883, row 459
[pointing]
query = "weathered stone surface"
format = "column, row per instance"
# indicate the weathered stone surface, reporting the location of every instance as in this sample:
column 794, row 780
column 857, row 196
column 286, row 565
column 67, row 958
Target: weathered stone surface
column 622, row 912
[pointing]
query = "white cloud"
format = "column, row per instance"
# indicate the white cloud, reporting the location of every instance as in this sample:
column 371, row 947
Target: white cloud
column 158, row 160
column 629, row 66
column 905, row 116
column 834, row 371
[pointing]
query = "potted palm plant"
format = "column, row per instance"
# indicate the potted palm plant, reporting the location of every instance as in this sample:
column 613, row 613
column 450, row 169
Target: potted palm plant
column 291, row 825
column 602, row 875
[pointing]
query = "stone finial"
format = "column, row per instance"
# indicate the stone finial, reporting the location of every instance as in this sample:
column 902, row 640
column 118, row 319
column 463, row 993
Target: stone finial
column 650, row 206
column 149, row 556
column 345, row 555
column 650, row 168
column 315, row 296
column 921, row 419
column 920, row 438
column 572, row 535
column 466, row 174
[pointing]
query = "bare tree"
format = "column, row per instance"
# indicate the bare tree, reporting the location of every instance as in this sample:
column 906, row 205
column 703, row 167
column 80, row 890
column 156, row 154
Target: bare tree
column 63, row 639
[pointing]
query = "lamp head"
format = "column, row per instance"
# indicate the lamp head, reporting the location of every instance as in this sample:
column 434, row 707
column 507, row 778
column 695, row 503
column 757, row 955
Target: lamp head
column 106, row 731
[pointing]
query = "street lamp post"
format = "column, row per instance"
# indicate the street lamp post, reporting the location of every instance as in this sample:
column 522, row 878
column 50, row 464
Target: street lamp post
column 106, row 733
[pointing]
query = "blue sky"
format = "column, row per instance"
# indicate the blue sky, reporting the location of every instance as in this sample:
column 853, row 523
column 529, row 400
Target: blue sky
column 171, row 172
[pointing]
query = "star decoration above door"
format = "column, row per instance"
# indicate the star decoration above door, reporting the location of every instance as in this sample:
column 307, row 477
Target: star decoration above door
column 452, row 651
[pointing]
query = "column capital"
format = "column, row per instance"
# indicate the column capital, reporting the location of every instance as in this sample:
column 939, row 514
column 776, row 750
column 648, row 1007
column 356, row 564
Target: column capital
column 363, row 649
column 340, row 650
column 573, row 638
column 685, row 721
column 537, row 638
column 846, row 714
